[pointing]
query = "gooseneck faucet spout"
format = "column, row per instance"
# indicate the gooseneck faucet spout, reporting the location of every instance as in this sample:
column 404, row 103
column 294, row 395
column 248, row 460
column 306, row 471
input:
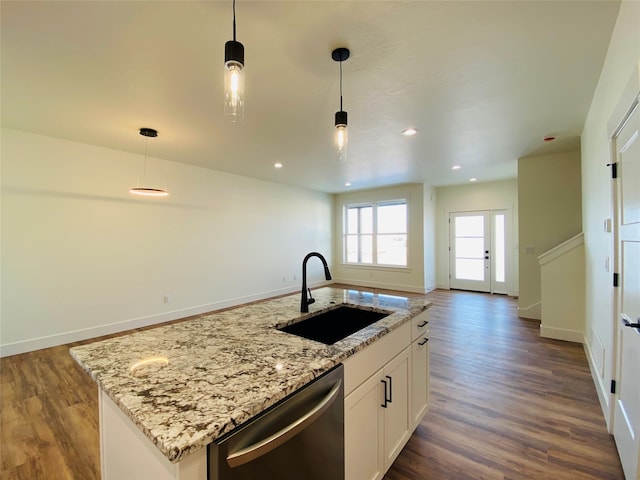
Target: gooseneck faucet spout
column 307, row 299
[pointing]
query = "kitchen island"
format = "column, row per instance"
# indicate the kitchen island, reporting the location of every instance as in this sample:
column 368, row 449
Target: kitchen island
column 182, row 386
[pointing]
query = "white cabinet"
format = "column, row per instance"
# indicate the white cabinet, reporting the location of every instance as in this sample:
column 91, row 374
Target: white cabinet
column 386, row 397
column 363, row 430
column 127, row 454
column 419, row 368
column 377, row 421
column 397, row 418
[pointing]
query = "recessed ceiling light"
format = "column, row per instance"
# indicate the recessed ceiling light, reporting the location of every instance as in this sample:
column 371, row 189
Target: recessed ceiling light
column 456, row 167
column 348, row 184
column 409, row 132
column 277, row 165
column 474, row 179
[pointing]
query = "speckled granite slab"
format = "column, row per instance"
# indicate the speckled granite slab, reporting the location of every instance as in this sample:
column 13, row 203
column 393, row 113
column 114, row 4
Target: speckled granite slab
column 185, row 385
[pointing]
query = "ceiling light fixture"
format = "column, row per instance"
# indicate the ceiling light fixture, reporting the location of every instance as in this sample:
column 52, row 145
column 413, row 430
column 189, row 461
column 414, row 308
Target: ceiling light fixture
column 409, row 132
column 277, row 165
column 456, row 167
column 143, row 190
column 234, row 76
column 340, row 55
column 473, row 179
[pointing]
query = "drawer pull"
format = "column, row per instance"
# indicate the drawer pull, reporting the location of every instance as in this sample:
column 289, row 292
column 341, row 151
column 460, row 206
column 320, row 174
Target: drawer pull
column 387, row 398
column 423, row 342
column 423, row 324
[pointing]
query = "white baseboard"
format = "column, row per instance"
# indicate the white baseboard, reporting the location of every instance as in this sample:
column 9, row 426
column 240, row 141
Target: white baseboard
column 561, row 334
column 383, row 285
column 532, row 311
column 62, row 338
column 603, row 390
column 442, row 286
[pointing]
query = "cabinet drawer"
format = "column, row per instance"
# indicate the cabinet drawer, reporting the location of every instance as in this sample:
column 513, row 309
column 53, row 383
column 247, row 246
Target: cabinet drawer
column 420, row 325
column 373, row 357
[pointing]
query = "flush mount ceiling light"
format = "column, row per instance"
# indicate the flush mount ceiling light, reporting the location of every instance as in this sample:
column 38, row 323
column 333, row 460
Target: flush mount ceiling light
column 473, row 179
column 456, row 167
column 144, row 190
column 234, row 76
column 409, row 132
column 340, row 55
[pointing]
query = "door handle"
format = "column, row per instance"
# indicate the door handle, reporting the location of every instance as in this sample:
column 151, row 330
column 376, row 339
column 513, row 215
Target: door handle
column 627, row 323
column 265, row 445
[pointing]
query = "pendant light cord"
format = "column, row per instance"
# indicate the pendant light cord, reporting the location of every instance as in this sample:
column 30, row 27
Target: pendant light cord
column 340, row 84
column 234, row 20
column 144, row 169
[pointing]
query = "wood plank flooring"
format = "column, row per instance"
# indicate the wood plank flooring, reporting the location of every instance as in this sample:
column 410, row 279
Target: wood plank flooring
column 505, row 405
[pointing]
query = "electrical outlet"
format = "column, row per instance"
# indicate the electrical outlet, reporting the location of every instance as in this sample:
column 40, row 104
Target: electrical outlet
column 166, row 299
column 284, row 279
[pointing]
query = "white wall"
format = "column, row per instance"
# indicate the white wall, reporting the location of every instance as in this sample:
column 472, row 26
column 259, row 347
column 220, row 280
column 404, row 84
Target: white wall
column 429, row 237
column 473, row 197
column 411, row 279
column 82, row 257
column 622, row 62
column 550, row 212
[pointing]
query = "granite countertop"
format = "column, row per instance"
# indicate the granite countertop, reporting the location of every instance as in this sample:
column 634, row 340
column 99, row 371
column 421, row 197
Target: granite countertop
column 187, row 384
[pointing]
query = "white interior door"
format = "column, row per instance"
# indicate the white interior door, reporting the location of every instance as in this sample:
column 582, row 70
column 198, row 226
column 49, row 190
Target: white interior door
column 626, row 429
column 478, row 250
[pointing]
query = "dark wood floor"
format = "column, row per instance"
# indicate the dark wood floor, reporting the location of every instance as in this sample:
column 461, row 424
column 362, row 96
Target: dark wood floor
column 505, row 405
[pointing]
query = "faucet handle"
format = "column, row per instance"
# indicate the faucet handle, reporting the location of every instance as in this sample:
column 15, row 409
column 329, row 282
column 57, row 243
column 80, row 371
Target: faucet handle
column 310, row 299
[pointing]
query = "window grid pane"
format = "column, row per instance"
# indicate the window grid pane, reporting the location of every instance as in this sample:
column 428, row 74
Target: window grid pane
column 500, row 252
column 392, row 250
column 376, row 234
column 469, row 269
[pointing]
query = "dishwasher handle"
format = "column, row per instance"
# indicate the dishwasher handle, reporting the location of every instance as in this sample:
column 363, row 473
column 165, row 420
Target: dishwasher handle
column 265, row 445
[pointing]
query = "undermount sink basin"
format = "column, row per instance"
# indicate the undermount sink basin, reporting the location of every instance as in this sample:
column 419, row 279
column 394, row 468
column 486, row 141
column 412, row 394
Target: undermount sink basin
column 334, row 325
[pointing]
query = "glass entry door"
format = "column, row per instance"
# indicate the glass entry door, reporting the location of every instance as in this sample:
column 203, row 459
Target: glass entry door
column 477, row 246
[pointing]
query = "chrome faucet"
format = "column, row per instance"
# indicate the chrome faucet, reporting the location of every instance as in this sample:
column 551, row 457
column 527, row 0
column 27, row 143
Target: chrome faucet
column 307, row 299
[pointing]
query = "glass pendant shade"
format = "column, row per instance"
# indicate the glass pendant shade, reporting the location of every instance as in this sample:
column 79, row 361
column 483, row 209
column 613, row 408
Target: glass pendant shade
column 341, row 135
column 234, row 81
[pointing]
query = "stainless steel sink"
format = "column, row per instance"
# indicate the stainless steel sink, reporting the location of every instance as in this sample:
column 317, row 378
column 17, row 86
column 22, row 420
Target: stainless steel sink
column 333, row 325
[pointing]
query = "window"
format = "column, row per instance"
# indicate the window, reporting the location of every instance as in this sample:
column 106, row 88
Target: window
column 376, row 233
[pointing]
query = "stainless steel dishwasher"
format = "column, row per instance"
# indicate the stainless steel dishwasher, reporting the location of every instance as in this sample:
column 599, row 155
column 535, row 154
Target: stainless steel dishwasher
column 302, row 437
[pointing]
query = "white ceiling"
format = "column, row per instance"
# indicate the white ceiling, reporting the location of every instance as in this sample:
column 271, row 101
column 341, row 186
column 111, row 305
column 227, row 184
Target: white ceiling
column 483, row 82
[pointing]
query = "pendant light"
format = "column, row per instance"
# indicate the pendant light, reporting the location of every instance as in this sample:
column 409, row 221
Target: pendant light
column 144, row 190
column 234, row 76
column 340, row 55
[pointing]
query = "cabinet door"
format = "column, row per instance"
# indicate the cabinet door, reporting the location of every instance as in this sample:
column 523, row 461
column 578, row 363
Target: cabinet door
column 419, row 380
column 397, row 418
column 363, row 431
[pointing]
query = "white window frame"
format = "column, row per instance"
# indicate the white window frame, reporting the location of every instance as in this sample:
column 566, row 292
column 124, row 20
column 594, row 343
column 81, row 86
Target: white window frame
column 374, row 234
